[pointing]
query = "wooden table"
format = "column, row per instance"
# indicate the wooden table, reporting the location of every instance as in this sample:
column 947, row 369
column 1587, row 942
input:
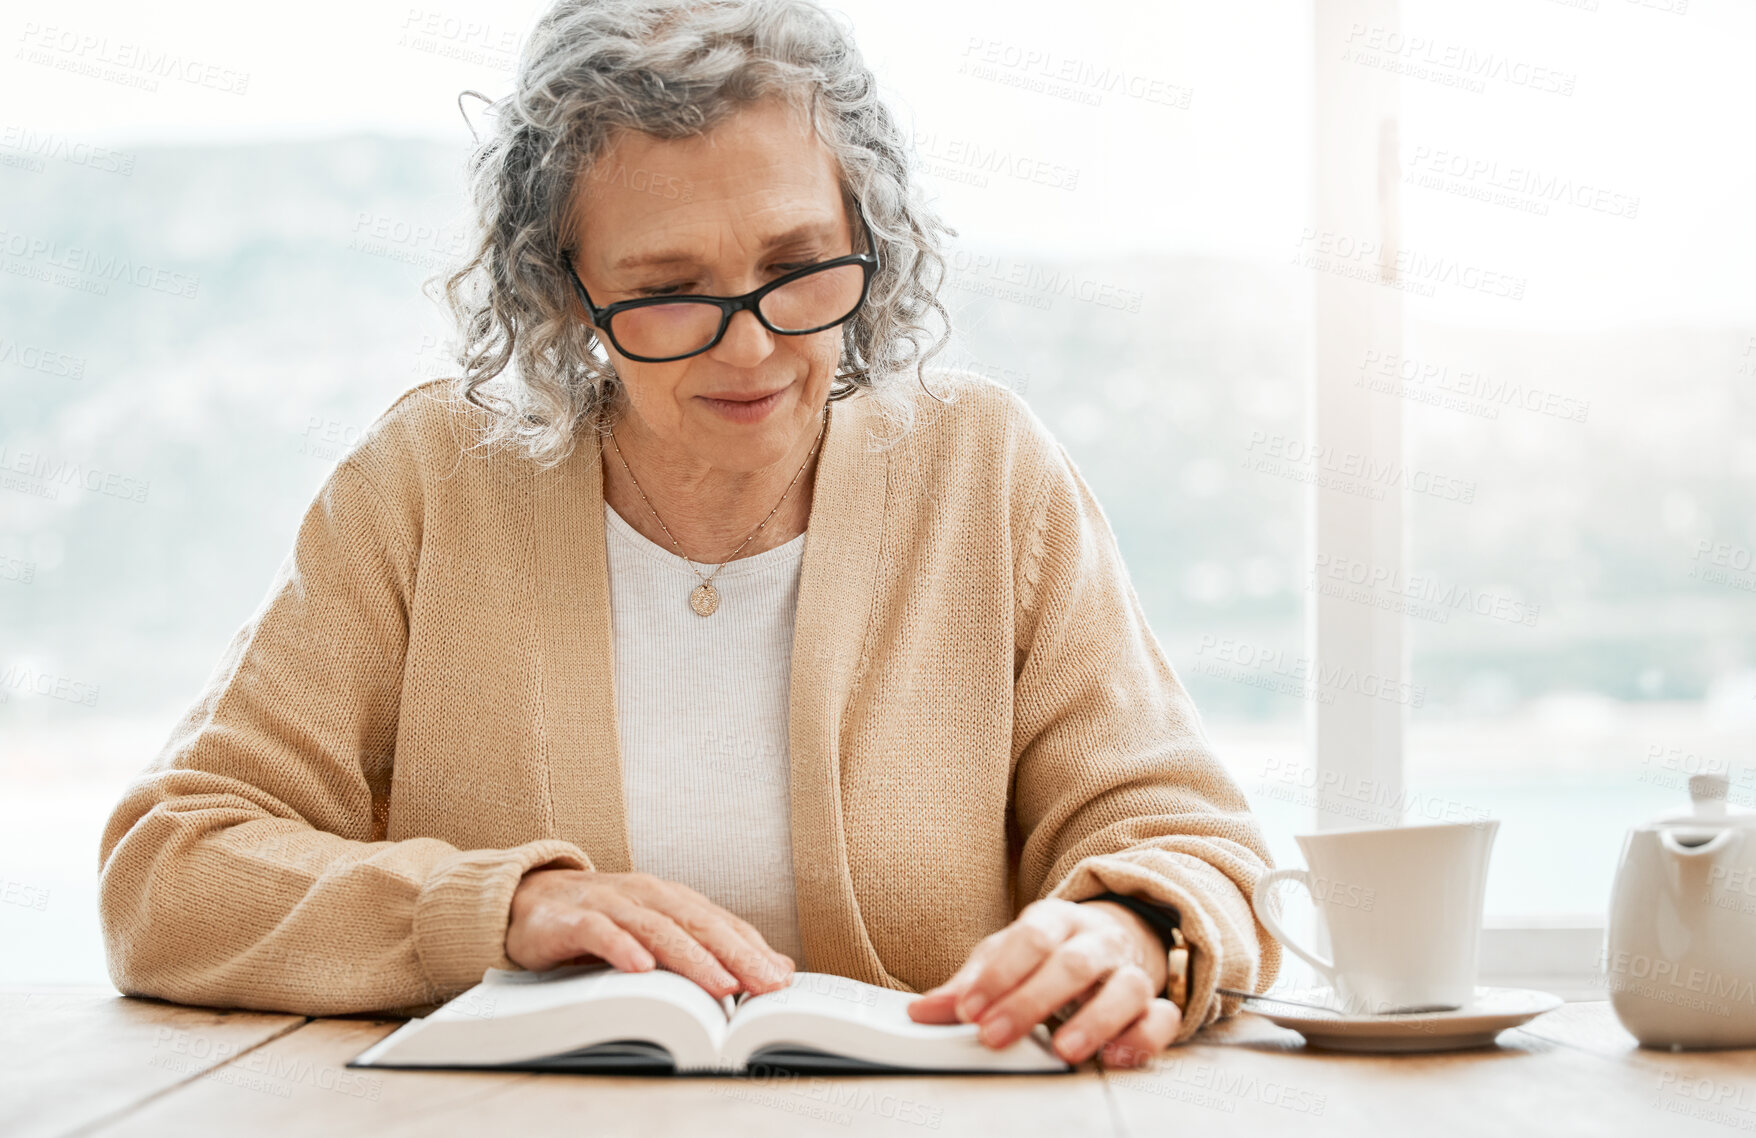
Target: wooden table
column 88, row 1061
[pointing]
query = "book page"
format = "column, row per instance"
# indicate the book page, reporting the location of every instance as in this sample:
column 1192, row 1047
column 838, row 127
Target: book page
column 504, row 992
column 825, row 994
column 518, row 1017
column 860, row 1021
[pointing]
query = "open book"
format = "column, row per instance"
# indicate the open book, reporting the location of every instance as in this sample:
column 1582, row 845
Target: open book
column 594, row 1018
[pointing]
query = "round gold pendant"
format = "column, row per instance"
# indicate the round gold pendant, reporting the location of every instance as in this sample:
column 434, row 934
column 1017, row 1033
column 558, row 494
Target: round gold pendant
column 704, row 600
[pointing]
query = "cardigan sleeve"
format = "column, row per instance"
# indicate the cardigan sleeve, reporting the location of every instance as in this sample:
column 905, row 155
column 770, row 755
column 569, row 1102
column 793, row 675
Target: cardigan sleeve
column 242, row 868
column 1116, row 788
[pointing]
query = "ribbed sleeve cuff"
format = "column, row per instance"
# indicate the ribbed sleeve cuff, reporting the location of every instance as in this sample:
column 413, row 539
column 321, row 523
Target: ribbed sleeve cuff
column 1216, row 922
column 463, row 910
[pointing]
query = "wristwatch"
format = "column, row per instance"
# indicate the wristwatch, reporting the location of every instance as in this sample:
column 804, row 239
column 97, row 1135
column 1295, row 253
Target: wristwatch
column 1167, row 923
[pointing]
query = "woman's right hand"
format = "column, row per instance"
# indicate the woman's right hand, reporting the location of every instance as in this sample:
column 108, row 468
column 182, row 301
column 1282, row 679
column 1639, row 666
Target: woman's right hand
column 637, row 922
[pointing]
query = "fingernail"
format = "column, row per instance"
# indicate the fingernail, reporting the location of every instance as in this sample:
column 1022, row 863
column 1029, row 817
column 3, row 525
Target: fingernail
column 1072, row 1045
column 971, row 1007
column 996, row 1030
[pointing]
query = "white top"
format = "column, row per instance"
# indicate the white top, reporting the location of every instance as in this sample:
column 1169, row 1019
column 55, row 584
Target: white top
column 702, row 712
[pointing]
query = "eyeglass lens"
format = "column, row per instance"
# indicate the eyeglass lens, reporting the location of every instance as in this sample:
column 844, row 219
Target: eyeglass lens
column 804, row 305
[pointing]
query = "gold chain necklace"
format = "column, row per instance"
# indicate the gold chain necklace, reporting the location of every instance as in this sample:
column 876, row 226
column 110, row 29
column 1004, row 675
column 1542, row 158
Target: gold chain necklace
column 704, row 599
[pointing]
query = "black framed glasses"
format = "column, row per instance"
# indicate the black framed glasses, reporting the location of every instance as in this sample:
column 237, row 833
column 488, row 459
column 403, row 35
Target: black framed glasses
column 658, row 329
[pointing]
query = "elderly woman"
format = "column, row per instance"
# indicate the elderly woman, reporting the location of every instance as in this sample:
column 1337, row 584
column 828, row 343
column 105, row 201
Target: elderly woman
column 687, row 629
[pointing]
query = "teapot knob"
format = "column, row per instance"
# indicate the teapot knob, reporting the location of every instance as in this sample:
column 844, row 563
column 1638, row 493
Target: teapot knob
column 1708, row 793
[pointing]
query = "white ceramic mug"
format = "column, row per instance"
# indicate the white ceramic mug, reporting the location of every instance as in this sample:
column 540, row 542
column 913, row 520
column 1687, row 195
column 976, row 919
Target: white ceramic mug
column 1403, row 907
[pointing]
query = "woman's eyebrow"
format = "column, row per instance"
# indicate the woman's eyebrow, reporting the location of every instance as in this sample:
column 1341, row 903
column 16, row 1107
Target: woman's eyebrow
column 809, row 230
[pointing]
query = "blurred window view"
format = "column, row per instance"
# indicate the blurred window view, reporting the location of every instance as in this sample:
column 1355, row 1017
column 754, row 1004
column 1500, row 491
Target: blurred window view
column 1584, row 626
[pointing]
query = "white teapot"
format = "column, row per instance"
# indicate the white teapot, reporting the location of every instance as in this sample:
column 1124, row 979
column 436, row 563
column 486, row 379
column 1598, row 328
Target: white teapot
column 1680, row 951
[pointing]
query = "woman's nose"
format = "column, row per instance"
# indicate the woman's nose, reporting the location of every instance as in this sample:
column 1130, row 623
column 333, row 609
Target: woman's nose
column 746, row 341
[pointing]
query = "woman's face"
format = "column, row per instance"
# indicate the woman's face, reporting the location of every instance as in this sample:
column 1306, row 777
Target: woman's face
column 721, row 214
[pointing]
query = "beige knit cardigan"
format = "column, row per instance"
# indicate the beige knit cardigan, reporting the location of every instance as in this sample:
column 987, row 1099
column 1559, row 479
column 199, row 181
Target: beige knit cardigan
column 422, row 710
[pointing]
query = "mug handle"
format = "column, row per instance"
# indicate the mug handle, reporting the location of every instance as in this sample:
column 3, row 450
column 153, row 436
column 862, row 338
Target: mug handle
column 1259, row 902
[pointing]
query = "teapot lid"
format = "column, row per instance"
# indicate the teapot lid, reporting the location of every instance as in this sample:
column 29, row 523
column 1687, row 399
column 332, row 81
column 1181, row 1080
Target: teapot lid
column 1709, row 809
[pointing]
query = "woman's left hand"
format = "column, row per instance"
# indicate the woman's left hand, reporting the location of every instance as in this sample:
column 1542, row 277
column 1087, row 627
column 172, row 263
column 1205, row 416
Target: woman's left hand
column 1096, row 953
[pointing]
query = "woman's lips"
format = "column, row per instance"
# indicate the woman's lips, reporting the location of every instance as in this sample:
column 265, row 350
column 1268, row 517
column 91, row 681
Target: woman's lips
column 744, row 410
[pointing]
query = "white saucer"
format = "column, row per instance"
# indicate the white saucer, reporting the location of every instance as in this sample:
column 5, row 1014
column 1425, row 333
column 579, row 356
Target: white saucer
column 1492, row 1011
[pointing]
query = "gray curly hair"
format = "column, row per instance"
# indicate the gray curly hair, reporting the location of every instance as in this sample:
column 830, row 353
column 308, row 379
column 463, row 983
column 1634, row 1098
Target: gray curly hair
column 671, row 69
